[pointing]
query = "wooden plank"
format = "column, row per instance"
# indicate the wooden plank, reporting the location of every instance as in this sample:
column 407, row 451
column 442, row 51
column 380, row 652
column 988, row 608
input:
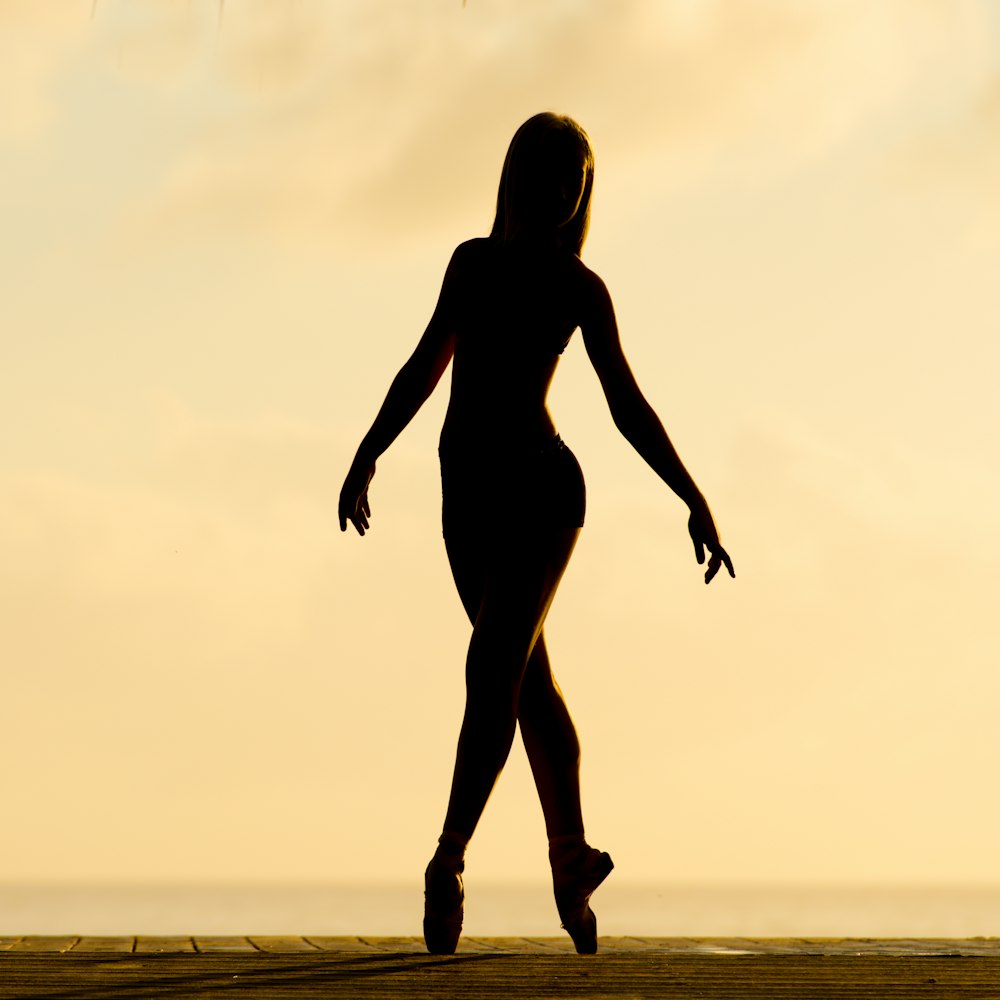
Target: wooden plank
column 694, row 946
column 906, row 946
column 44, row 942
column 208, row 944
column 276, row 943
column 900, row 947
column 339, row 943
column 146, row 945
column 728, row 946
column 396, row 945
column 478, row 944
column 105, row 944
column 562, row 945
column 629, row 944
column 538, row 945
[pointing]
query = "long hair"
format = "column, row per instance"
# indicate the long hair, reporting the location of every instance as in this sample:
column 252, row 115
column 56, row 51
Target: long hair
column 542, row 136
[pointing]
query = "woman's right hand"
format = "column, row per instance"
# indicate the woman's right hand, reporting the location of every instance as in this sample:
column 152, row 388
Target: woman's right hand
column 704, row 534
column 353, row 505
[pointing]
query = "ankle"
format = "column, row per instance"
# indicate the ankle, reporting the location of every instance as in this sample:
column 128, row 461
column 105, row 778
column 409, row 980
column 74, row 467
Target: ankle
column 451, row 849
column 566, row 847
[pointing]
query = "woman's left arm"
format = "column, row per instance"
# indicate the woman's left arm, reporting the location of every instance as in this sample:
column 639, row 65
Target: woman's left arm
column 640, row 425
column 414, row 382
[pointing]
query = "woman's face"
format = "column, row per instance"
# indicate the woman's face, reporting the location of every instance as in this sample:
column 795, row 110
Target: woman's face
column 556, row 187
column 569, row 191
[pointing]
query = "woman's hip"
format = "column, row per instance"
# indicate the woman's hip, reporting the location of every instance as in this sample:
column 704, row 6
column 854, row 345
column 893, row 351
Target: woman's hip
column 497, row 490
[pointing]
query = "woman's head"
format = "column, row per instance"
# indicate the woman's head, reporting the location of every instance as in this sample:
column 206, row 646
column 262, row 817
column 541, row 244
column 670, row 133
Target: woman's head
column 546, row 183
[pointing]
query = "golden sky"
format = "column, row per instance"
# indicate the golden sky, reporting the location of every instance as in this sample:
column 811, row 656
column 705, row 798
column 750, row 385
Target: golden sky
column 219, row 243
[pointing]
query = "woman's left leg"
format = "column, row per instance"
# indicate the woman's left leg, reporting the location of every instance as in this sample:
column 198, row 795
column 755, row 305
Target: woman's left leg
column 552, row 745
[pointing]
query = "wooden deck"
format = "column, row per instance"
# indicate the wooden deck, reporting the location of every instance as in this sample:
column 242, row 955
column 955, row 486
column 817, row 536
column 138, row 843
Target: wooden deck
column 273, row 968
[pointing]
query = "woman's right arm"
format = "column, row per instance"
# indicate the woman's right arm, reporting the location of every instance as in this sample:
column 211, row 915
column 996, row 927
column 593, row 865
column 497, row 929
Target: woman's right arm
column 638, row 422
column 414, row 382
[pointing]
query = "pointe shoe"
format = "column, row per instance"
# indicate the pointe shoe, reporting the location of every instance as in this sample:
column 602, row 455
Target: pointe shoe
column 575, row 876
column 444, row 905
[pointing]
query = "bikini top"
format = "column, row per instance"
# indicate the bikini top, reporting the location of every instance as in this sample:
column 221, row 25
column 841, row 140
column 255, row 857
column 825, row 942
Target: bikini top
column 520, row 301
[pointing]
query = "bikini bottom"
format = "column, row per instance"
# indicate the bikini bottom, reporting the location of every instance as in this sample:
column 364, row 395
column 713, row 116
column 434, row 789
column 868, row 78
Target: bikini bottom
column 539, row 488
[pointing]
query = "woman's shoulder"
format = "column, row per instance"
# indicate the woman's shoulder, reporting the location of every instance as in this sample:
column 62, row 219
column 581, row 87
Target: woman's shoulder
column 471, row 251
column 467, row 260
column 584, row 275
column 592, row 293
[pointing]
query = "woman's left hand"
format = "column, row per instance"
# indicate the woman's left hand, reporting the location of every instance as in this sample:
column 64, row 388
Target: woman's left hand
column 704, row 534
column 353, row 505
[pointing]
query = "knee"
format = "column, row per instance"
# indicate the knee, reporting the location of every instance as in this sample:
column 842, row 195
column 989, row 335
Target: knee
column 496, row 691
column 493, row 681
column 497, row 658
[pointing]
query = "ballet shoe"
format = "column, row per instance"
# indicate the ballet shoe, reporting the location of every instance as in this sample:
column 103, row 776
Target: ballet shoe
column 576, row 874
column 444, row 905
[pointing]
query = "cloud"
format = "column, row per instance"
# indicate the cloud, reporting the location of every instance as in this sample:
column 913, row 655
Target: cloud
column 37, row 41
column 393, row 119
column 153, row 43
column 952, row 166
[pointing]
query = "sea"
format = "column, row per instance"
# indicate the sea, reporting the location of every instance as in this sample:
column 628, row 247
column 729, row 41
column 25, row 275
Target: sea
column 502, row 910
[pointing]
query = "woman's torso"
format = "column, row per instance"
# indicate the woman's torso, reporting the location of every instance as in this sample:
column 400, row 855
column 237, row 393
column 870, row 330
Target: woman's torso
column 515, row 312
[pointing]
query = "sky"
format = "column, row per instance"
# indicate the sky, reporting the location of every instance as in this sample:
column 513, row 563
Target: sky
column 221, row 237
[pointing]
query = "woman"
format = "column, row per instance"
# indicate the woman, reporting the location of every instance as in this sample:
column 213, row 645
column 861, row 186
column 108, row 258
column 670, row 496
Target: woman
column 513, row 496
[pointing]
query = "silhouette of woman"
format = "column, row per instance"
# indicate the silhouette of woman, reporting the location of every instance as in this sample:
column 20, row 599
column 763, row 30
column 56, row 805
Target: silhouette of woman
column 513, row 496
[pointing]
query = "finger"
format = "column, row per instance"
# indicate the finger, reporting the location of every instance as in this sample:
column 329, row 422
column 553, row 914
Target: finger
column 713, row 567
column 728, row 562
column 699, row 550
column 346, row 514
column 364, row 505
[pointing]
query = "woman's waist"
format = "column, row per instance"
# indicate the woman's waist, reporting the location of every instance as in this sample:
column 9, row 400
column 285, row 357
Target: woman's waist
column 475, row 445
column 497, row 433
column 489, row 464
